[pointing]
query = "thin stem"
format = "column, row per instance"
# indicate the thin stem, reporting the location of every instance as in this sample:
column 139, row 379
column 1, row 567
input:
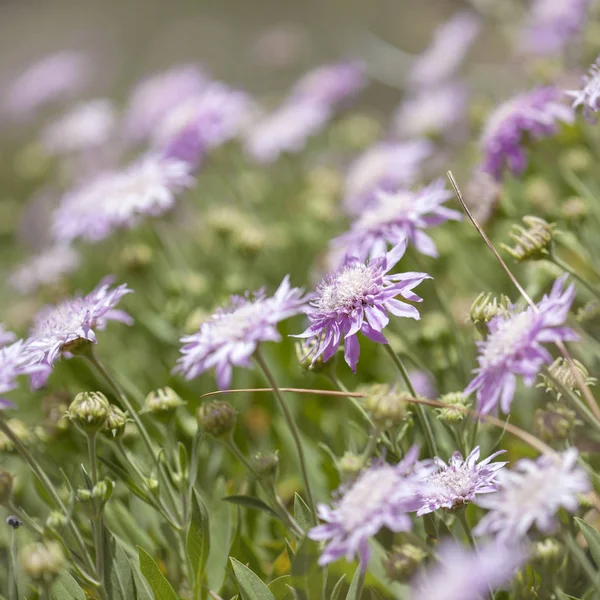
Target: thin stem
column 13, row 592
column 462, row 519
column 49, row 487
column 370, row 446
column 559, row 262
column 98, row 521
column 421, row 414
column 293, row 428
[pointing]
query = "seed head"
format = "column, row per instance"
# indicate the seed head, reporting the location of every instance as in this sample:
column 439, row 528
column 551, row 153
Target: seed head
column 43, row 561
column 564, row 373
column 89, row 411
column 403, row 561
column 485, row 308
column 216, row 418
column 533, row 243
column 162, row 403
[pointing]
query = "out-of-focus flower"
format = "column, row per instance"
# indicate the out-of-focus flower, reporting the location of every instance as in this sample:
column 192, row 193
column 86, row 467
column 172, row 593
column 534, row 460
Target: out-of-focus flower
column 15, row 361
column 514, row 347
column 60, row 329
column 358, row 297
column 53, row 77
column 280, row 45
column 535, row 114
column 423, row 384
column 482, row 195
column 381, row 496
column 460, row 481
column 462, row 574
column 531, row 494
column 396, row 216
column 287, row 129
column 386, row 166
column 432, row 111
column 588, row 96
column 205, row 121
column 552, row 25
column 6, row 337
column 120, row 199
column 86, row 127
column 45, row 268
column 232, row 334
column 445, row 55
column 154, row 97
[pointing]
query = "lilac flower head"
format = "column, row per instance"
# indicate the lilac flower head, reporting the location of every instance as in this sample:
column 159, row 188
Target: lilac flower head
column 552, row 25
column 461, row 574
column 396, row 216
column 531, row 494
column 6, row 337
column 120, row 199
column 46, row 268
column 57, row 329
column 231, row 335
column 85, row 127
column 535, row 114
column 445, row 55
column 589, row 95
column 358, row 297
column 156, row 96
column 514, row 347
column 53, row 77
column 330, row 84
column 460, row 481
column 386, row 166
column 287, row 129
column 423, row 384
column 381, row 496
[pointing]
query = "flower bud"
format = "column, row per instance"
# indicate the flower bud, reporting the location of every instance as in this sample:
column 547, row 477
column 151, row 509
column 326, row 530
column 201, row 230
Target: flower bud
column 83, row 495
column 403, row 561
column 533, row 243
column 43, row 561
column 565, row 374
column 547, row 551
column 305, row 350
column 135, row 257
column 554, row 423
column 349, row 466
column 386, row 405
column 102, row 491
column 116, row 421
column 575, row 210
column 21, row 432
column 577, row 159
column 485, row 308
column 266, row 465
column 454, row 411
column 153, row 486
column 6, row 486
column 540, row 194
column 56, row 521
column 162, row 403
column 216, row 418
column 89, row 411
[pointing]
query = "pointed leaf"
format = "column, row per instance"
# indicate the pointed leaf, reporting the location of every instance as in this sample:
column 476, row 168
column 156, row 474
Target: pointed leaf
column 118, row 576
column 183, row 460
column 198, row 539
column 353, row 592
column 302, row 513
column 592, row 537
column 66, row 588
column 337, row 588
column 158, row 583
column 251, row 586
column 221, row 538
column 307, row 575
column 253, row 503
column 279, row 587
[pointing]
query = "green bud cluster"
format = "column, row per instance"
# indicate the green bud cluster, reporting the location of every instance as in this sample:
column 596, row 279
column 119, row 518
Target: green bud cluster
column 533, row 243
column 162, row 403
column 89, row 411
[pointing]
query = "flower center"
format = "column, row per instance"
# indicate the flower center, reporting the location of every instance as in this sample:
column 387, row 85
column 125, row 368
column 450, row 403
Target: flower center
column 65, row 319
column 348, row 289
column 458, row 481
column 236, row 324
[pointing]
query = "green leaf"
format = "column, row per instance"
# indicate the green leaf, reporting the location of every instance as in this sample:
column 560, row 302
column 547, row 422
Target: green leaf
column 183, row 460
column 251, row 586
column 592, row 537
column 158, row 583
column 279, row 587
column 66, row 588
column 354, row 591
column 253, row 503
column 337, row 588
column 302, row 513
column 221, row 537
column 198, row 539
column 122, row 475
column 307, row 576
column 118, row 576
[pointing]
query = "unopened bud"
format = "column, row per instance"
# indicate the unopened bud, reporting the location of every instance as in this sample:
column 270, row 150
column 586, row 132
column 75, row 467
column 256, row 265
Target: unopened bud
column 566, row 374
column 349, row 466
column 116, row 421
column 266, row 465
column 575, row 210
column 485, row 308
column 20, row 430
column 455, row 405
column 153, row 486
column 6, row 486
column 89, row 411
column 102, row 491
column 216, row 418
column 403, row 561
column 162, row 403
column 533, row 243
column 135, row 257
column 56, row 520
column 43, row 561
column 547, row 551
column 83, row 495
column 386, row 405
column 305, row 351
column 540, row 194
column 554, row 423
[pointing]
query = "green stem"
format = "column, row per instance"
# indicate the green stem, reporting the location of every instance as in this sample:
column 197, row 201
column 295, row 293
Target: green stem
column 49, row 487
column 98, row 521
column 560, row 263
column 582, row 559
column 293, row 428
column 370, row 446
column 13, row 592
column 421, row 414
column 462, row 518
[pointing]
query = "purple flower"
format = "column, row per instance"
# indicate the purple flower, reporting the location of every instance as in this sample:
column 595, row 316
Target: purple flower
column 531, row 494
column 46, row 268
column 120, row 199
column 287, row 129
column 85, row 127
column 514, row 347
column 535, row 114
column 445, row 55
column 381, row 496
column 231, row 335
column 423, row 384
column 386, row 166
column 460, row 481
column 329, row 85
column 589, row 95
column 461, row 574
column 156, row 96
column 552, row 25
column 396, row 216
column 54, row 77
column 6, row 337
column 358, row 297
column 58, row 329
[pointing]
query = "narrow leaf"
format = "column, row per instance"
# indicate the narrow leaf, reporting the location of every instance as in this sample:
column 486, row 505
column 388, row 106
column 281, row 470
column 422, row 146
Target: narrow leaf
column 337, row 588
column 158, row 583
column 302, row 513
column 354, row 591
column 592, row 537
column 198, row 539
column 253, row 503
column 279, row 587
column 66, row 588
column 251, row 586
column 221, row 537
column 118, row 576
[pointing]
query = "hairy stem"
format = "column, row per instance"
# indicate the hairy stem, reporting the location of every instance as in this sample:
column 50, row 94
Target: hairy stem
column 97, row 521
